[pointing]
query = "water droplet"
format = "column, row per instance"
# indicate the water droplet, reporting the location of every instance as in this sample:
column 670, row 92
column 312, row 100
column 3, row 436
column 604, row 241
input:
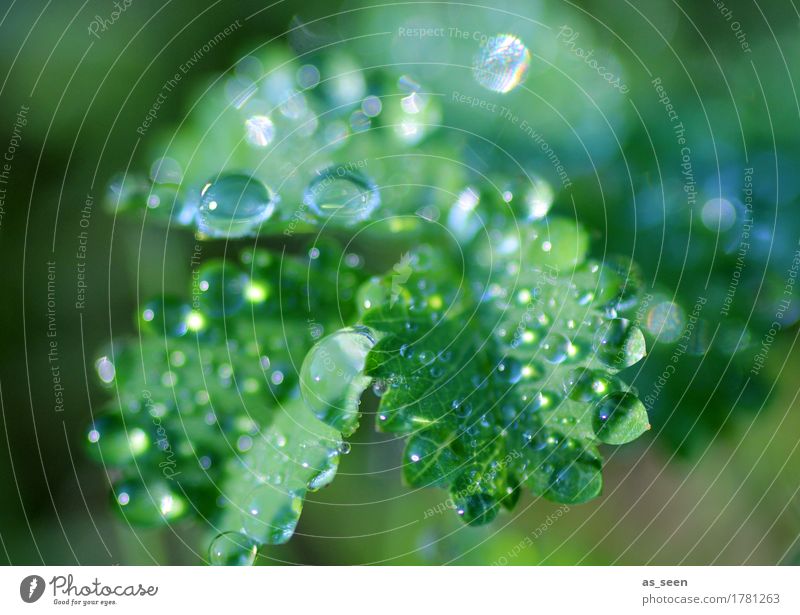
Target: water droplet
column 619, row 418
column 125, row 192
column 244, row 443
column 341, row 194
column 270, row 514
column 371, row 106
column 379, row 387
column 426, row 357
column 232, row 549
column 294, row 107
column 371, row 294
column 324, row 476
column 555, row 348
column 332, row 377
column 619, row 344
column 502, row 63
column 408, row 84
column 233, row 206
column 259, row 130
column 165, row 202
column 105, row 370
column 413, row 103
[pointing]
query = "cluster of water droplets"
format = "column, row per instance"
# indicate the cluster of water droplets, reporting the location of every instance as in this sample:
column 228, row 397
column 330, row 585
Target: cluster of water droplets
column 527, row 402
column 280, row 145
column 207, row 422
column 499, row 384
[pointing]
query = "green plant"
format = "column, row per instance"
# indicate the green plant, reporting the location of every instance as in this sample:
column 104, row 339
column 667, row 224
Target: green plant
column 369, row 257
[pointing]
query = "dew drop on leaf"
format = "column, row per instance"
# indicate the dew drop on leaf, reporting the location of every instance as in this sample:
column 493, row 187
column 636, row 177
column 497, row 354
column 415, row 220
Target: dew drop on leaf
column 619, row 344
column 619, row 418
column 332, row 377
column 341, row 194
column 232, row 549
column 270, row 514
column 324, row 476
column 234, row 205
column 555, row 348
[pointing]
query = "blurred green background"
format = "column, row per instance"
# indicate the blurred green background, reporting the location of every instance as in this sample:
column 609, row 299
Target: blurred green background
column 716, row 479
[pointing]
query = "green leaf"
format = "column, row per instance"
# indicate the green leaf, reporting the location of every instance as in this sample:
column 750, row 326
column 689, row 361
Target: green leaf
column 264, row 489
column 209, row 423
column 620, row 418
column 509, row 382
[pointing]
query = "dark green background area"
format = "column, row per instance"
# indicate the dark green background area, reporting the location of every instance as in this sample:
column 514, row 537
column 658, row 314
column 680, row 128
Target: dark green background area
column 697, row 494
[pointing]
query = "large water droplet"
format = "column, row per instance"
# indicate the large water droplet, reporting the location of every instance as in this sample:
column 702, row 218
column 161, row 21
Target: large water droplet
column 502, row 63
column 232, row 549
column 325, row 475
column 341, row 194
column 555, row 348
column 233, row 206
column 332, row 377
column 619, row 418
column 271, row 514
column 619, row 344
